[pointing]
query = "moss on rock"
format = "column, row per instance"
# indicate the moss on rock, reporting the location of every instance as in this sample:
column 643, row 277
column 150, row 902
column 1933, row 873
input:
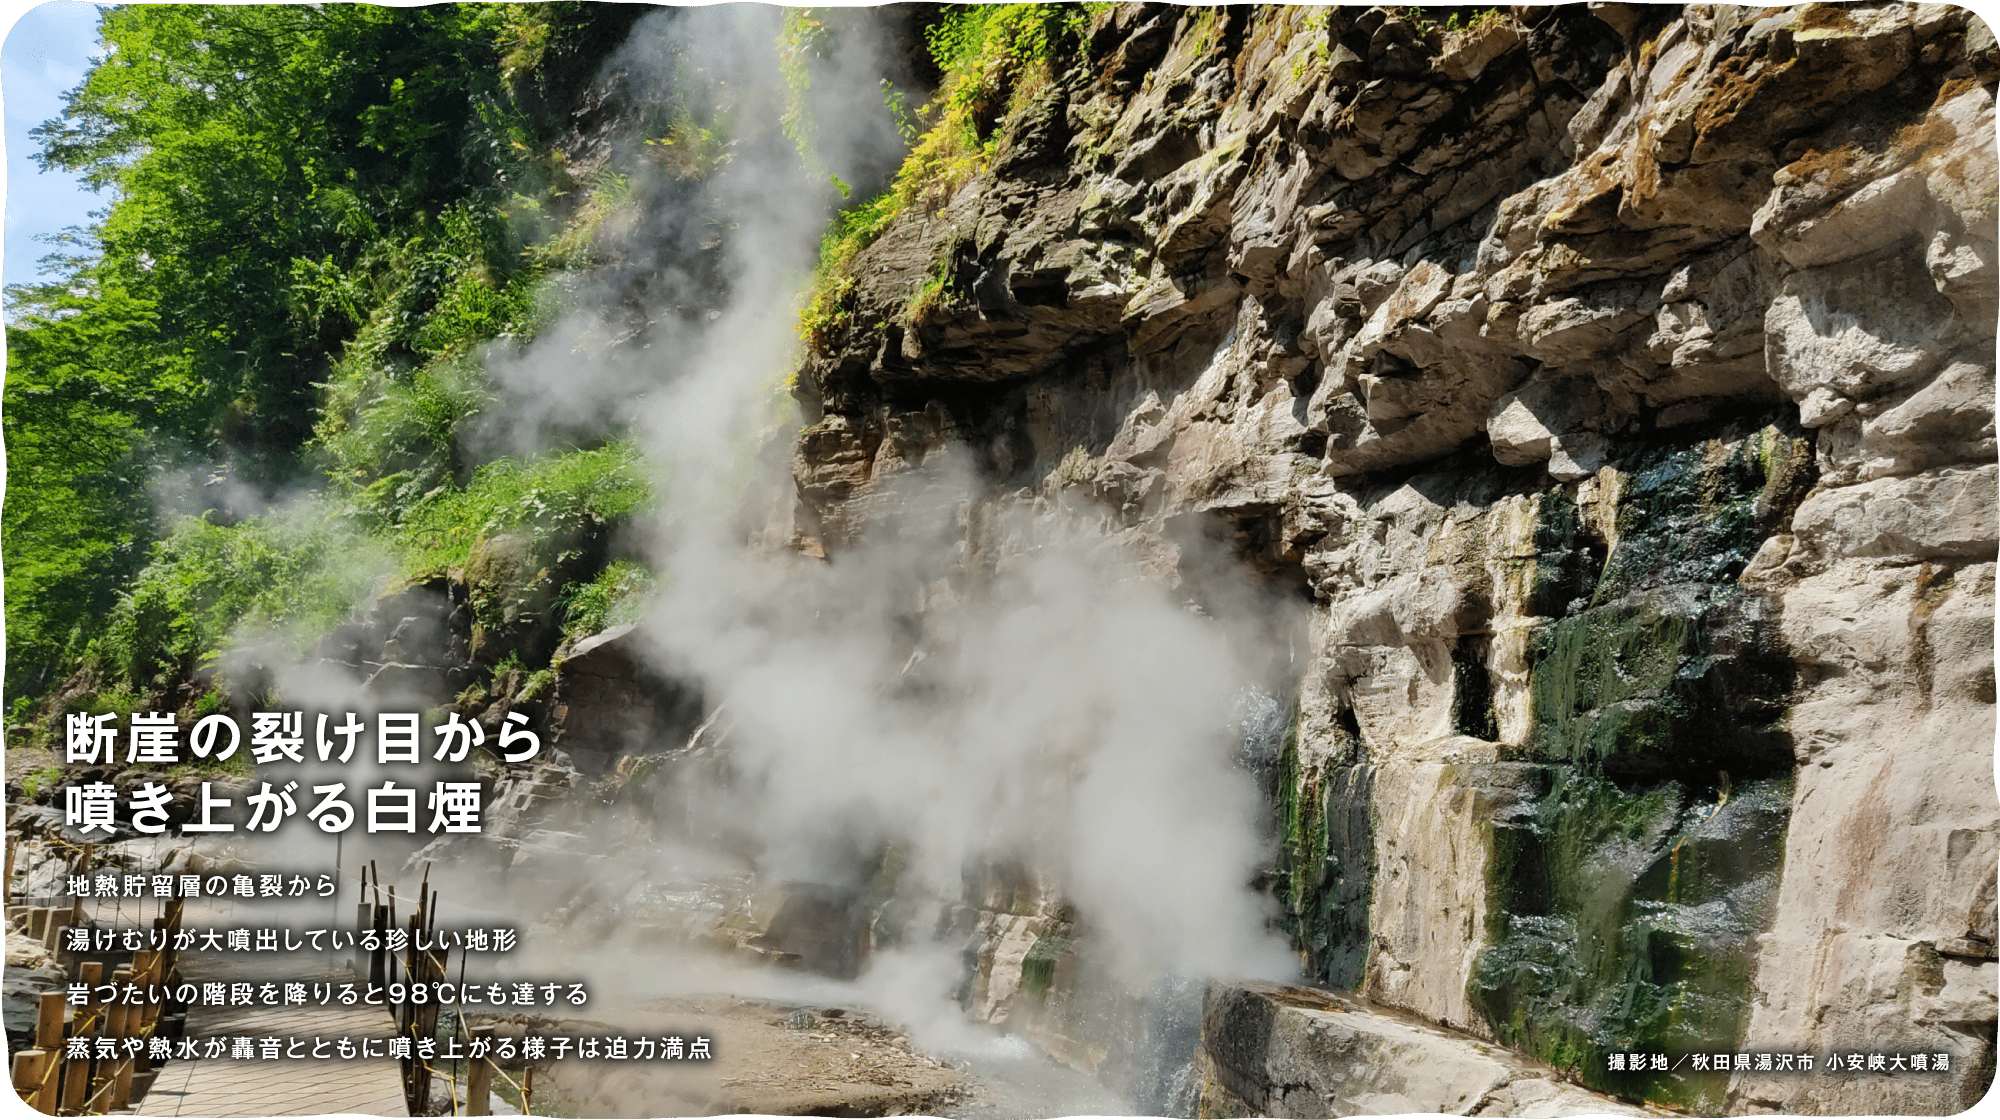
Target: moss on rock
column 1623, row 921
column 1627, row 892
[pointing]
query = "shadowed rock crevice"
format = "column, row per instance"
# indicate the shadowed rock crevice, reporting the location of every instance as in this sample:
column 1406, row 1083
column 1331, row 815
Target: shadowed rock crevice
column 1617, row 383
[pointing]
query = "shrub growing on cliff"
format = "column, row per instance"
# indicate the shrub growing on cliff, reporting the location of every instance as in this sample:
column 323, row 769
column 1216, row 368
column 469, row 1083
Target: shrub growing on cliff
column 544, row 497
column 575, row 245
column 389, row 440
column 297, row 570
column 611, row 599
column 995, row 58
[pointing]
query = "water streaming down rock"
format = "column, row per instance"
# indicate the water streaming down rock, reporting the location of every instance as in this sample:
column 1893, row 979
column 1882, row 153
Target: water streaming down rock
column 1571, row 438
column 1616, row 382
column 1169, row 1082
column 1612, row 388
column 1264, row 726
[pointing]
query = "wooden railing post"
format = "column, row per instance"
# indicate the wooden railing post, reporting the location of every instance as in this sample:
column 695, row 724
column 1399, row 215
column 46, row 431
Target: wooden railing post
column 49, row 1040
column 479, row 1077
column 32, row 1069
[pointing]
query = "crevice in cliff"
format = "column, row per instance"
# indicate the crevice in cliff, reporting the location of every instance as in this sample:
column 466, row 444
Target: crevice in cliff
column 1472, row 696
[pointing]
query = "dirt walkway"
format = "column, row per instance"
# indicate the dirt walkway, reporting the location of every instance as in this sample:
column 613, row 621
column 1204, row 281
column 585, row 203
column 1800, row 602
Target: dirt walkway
column 770, row 1058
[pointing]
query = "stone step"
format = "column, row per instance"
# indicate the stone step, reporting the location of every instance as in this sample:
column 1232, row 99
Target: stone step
column 1286, row 1051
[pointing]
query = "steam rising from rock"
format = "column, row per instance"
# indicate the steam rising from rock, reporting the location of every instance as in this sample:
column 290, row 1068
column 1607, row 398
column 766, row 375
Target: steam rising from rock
column 982, row 679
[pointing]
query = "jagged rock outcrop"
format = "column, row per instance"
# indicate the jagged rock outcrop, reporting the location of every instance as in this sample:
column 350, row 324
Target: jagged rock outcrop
column 608, row 703
column 1618, row 381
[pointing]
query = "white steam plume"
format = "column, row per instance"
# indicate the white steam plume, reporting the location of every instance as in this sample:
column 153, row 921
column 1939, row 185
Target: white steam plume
column 973, row 682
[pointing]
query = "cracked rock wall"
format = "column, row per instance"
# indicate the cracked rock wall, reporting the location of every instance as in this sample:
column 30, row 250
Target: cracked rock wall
column 1617, row 381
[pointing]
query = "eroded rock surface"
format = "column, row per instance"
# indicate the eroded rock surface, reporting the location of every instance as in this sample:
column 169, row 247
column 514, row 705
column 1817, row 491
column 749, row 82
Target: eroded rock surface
column 1618, row 383
column 1273, row 1050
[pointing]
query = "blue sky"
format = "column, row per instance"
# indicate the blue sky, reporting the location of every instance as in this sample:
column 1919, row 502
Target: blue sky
column 44, row 56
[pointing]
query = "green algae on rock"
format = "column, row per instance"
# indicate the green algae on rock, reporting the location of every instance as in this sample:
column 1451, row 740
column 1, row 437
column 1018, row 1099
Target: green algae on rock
column 1625, row 923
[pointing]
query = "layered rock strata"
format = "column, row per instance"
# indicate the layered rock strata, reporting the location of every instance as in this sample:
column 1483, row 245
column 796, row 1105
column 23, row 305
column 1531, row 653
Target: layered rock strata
column 1617, row 381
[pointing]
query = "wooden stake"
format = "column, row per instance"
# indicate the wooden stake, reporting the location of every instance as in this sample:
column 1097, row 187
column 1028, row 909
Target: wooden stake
column 49, row 1038
column 121, row 1084
column 75, row 1079
column 76, row 904
column 101, row 1079
column 49, row 1023
column 479, row 1078
column 120, row 1023
column 364, row 920
column 92, row 975
column 423, row 892
column 30, row 1068
column 378, row 958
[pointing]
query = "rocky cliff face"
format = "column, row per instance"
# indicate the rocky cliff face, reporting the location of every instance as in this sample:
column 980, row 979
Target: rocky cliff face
column 1617, row 382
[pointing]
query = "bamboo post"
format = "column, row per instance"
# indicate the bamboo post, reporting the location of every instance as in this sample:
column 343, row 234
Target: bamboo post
column 479, row 1078
column 364, row 920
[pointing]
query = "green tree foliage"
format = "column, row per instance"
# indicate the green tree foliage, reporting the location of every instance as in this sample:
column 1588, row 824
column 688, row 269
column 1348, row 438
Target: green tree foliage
column 272, row 170
column 318, row 218
column 298, row 570
column 85, row 388
column 247, row 148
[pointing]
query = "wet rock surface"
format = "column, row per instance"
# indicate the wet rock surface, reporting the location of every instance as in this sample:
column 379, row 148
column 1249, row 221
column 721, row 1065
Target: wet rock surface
column 1276, row 1050
column 1617, row 381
